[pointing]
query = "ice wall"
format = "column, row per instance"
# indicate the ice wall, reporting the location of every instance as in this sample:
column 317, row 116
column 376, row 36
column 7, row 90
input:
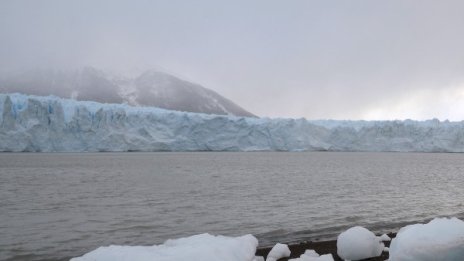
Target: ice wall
column 34, row 123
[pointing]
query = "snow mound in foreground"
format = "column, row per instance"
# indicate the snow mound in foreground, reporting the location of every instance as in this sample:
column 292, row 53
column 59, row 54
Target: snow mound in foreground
column 440, row 239
column 198, row 247
column 358, row 243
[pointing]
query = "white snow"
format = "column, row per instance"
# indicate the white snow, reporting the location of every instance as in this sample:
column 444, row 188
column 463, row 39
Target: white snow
column 278, row 251
column 36, row 123
column 198, row 247
column 311, row 255
column 440, row 239
column 358, row 243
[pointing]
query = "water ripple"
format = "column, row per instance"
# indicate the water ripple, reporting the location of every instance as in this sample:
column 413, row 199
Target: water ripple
column 55, row 206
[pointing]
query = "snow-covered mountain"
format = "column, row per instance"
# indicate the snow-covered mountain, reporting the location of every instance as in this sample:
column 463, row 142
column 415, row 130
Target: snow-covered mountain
column 33, row 123
column 151, row 88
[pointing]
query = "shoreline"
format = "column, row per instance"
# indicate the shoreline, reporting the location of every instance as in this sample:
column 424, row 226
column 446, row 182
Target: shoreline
column 322, row 248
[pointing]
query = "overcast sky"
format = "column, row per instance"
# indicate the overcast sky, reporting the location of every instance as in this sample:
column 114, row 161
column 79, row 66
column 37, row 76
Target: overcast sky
column 314, row 59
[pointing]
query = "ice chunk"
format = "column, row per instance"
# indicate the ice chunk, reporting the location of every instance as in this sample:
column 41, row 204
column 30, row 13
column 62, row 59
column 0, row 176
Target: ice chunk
column 198, row 247
column 358, row 243
column 258, row 258
column 278, row 251
column 385, row 237
column 326, row 257
column 311, row 255
column 440, row 239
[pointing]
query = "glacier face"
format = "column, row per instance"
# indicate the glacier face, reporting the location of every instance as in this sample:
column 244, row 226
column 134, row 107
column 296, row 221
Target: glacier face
column 48, row 124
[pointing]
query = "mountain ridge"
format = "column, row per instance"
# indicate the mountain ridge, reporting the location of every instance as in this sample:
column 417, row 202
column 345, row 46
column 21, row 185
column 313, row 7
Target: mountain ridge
column 151, row 88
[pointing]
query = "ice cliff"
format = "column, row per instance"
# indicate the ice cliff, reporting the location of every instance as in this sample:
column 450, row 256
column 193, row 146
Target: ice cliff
column 35, row 123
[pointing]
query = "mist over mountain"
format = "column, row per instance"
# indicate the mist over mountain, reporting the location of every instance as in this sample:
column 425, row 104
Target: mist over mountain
column 151, row 88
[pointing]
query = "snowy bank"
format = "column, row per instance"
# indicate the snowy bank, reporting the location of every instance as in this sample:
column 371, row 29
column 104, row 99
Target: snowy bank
column 198, row 247
column 34, row 123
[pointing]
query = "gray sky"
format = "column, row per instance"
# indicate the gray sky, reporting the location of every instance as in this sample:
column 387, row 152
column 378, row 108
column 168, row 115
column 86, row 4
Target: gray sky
column 369, row 59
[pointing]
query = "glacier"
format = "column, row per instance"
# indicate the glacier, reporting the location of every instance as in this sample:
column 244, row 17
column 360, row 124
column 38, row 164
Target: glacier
column 50, row 124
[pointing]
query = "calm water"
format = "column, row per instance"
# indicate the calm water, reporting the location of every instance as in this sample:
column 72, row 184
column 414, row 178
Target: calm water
column 55, row 206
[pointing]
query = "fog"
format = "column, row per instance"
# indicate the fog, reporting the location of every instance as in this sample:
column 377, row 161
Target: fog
column 315, row 59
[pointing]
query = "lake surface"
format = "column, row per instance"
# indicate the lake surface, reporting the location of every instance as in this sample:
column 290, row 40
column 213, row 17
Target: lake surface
column 56, row 206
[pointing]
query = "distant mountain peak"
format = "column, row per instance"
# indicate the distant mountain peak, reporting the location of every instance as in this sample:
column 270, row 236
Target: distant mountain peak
column 150, row 88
